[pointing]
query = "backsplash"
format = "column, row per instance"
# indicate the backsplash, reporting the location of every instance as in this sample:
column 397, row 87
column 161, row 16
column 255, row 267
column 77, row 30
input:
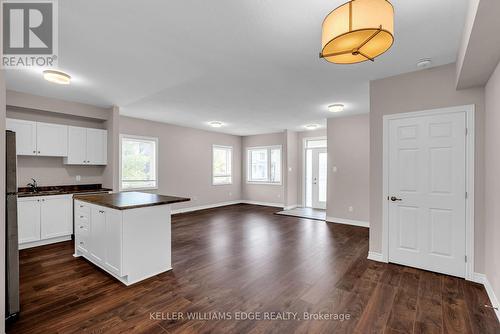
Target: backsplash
column 50, row 171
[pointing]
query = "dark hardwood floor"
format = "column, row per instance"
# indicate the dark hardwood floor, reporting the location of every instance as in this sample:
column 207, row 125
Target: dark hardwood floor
column 243, row 258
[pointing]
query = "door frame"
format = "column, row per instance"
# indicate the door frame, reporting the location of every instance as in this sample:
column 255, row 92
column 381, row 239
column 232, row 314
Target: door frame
column 469, row 111
column 304, row 164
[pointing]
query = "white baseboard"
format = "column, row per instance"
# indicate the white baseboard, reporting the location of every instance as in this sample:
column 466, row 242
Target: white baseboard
column 290, row 207
column 482, row 279
column 278, row 205
column 374, row 256
column 347, row 221
column 204, row 207
column 44, row 242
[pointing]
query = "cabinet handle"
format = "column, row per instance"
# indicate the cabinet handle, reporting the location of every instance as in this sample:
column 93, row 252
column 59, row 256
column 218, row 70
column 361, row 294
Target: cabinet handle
column 81, row 216
column 100, row 211
column 81, row 206
column 38, row 152
column 81, row 226
column 81, row 242
column 34, row 151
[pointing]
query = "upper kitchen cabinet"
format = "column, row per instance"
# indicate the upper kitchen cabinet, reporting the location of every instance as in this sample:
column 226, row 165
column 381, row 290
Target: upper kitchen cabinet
column 25, row 135
column 87, row 146
column 36, row 138
column 51, row 139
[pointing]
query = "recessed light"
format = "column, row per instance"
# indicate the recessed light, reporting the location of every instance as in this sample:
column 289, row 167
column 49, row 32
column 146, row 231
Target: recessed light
column 215, row 124
column 336, row 107
column 424, row 63
column 312, row 126
column 57, row 77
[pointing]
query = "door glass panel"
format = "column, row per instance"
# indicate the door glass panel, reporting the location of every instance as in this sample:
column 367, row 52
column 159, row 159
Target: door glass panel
column 308, row 178
column 322, row 177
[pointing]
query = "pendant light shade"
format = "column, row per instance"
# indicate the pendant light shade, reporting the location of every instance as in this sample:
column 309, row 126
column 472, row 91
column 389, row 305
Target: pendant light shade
column 358, row 31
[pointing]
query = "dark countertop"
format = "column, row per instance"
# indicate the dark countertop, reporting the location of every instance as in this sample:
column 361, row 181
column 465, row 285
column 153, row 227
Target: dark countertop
column 129, row 200
column 61, row 190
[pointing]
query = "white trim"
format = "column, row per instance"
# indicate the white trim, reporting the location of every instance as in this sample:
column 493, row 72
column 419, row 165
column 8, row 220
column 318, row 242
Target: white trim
column 44, row 242
column 470, row 147
column 290, row 207
column 483, row 279
column 348, row 221
column 157, row 158
column 375, row 256
column 232, row 164
column 278, row 205
column 204, row 207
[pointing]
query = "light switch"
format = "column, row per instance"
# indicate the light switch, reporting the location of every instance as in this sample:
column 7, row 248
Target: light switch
column 334, row 169
column 290, row 169
column 78, row 178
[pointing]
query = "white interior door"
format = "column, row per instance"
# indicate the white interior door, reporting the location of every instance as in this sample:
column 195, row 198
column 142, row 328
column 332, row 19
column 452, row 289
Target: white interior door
column 427, row 192
column 319, row 177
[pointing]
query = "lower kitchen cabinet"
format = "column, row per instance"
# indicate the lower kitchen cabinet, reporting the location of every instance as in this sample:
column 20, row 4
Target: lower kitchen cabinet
column 98, row 235
column 131, row 245
column 44, row 219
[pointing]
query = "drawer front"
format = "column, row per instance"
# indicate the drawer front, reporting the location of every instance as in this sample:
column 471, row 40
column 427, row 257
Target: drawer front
column 82, row 229
column 82, row 209
column 82, row 240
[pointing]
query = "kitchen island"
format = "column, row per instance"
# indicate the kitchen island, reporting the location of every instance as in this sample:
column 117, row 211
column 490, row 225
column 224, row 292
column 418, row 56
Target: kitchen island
column 127, row 234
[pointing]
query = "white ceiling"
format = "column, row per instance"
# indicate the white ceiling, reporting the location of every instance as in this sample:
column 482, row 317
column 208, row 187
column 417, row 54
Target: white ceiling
column 252, row 64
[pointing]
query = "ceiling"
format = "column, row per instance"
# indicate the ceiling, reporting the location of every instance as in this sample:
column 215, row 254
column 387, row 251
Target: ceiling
column 252, row 64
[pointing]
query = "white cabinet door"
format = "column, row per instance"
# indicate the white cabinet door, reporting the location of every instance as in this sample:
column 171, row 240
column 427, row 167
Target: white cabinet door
column 98, row 234
column 77, row 146
column 28, row 219
column 52, row 139
column 97, row 146
column 25, row 135
column 56, row 216
column 114, row 241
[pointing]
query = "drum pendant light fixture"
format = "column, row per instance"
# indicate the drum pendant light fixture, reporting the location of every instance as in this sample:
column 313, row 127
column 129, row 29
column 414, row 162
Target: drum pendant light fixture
column 357, row 31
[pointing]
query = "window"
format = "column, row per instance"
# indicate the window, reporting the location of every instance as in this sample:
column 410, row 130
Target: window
column 222, row 165
column 138, row 162
column 264, row 164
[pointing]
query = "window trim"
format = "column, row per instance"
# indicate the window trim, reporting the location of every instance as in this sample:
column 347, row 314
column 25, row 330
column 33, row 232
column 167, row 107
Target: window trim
column 212, row 165
column 156, row 140
column 248, row 162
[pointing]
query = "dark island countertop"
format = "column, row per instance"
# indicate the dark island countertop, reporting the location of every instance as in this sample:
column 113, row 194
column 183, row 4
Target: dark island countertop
column 62, row 190
column 129, row 200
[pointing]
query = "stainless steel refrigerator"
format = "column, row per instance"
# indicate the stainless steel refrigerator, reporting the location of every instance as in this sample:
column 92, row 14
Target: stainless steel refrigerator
column 12, row 248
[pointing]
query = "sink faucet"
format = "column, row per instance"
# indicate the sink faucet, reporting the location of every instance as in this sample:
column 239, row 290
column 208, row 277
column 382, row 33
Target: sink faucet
column 33, row 185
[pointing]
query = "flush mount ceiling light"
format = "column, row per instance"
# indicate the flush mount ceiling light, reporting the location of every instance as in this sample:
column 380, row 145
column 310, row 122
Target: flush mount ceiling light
column 357, row 31
column 215, row 124
column 312, row 126
column 57, row 77
column 336, row 107
column 424, row 63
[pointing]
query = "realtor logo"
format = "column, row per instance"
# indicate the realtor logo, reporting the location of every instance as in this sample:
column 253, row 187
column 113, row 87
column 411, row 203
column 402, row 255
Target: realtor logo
column 29, row 33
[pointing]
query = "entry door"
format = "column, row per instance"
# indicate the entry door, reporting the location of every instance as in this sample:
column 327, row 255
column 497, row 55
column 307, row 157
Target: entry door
column 427, row 196
column 319, row 175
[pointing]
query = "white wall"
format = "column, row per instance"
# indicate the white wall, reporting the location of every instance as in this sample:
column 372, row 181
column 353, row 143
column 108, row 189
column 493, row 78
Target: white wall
column 492, row 182
column 291, row 164
column 349, row 152
column 185, row 161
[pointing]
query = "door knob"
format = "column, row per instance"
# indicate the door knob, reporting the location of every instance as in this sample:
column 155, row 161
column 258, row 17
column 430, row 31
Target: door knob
column 395, row 199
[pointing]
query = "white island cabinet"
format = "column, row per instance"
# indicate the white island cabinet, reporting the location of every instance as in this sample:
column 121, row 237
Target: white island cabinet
column 127, row 234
